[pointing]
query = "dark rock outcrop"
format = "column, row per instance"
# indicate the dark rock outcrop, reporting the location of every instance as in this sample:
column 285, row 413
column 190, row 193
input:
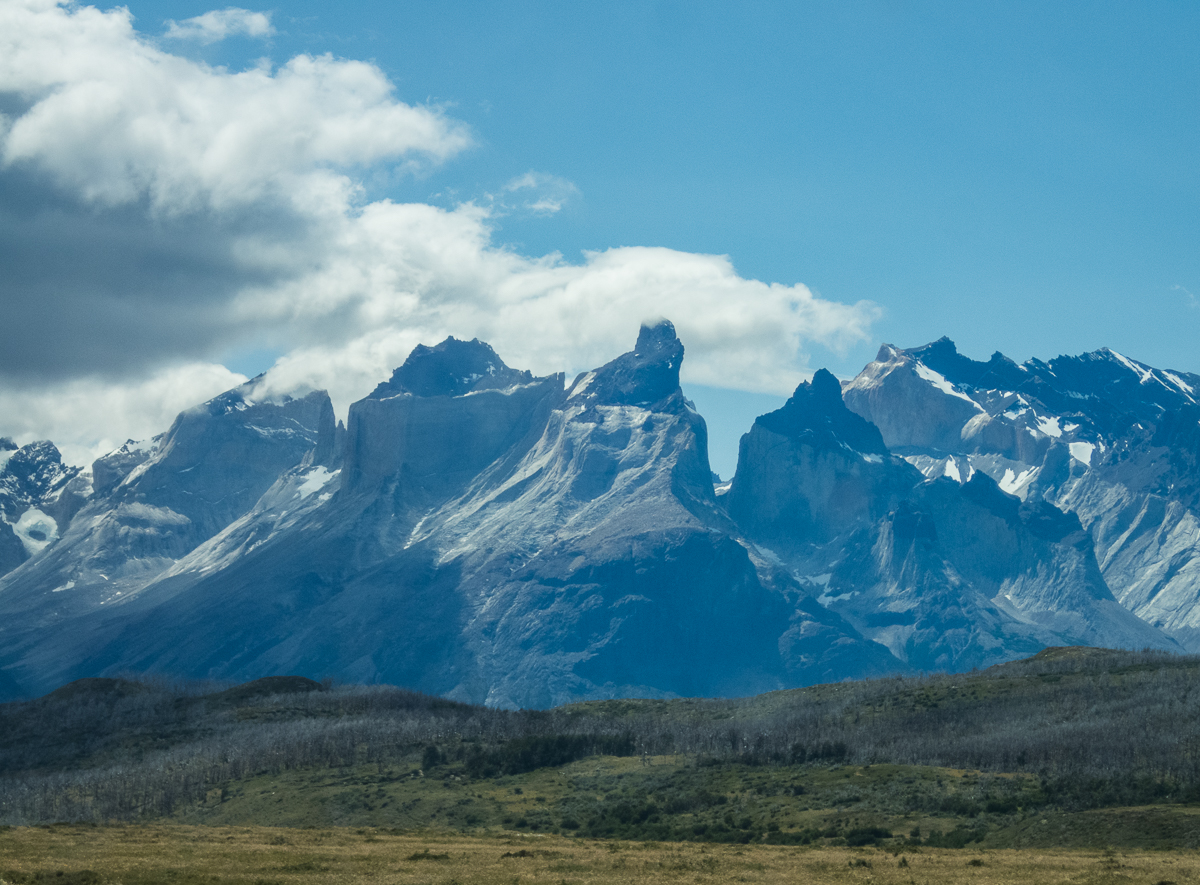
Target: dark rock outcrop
column 812, row 471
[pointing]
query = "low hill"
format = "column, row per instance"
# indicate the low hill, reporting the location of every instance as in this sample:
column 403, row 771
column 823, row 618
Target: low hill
column 1068, row 735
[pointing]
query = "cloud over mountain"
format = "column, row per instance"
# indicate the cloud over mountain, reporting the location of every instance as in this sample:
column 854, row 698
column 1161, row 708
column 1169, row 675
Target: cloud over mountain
column 157, row 214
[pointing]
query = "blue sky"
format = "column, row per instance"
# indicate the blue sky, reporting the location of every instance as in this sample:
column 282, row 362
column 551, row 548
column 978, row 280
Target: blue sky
column 1021, row 176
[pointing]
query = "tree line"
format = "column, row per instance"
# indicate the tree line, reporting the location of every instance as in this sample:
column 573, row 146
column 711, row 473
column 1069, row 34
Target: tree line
column 1097, row 728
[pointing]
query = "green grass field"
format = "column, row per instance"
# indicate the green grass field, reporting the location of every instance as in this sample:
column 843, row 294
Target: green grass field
column 673, row 799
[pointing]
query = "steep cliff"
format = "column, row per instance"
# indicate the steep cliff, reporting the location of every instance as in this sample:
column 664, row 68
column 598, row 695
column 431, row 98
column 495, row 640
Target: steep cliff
column 1108, row 438
column 491, row 536
column 946, row 576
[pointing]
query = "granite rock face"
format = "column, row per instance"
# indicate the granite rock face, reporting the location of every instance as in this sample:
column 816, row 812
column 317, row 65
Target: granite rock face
column 153, row 503
column 39, row 495
column 519, row 545
column 1109, row 439
column 946, row 576
column 479, row 532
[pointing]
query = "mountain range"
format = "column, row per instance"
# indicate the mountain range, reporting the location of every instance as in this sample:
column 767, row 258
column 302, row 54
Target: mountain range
column 474, row 531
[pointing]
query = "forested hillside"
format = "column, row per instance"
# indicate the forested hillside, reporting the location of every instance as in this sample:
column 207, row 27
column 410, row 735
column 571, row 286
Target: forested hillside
column 1066, row 731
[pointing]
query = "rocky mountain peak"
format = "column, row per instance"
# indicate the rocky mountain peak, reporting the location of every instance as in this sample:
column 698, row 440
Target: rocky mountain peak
column 943, row 357
column 479, row 532
column 452, row 368
column 646, row 375
column 812, row 471
column 998, row 372
column 826, row 389
column 38, row 493
column 32, row 470
column 817, row 414
column 658, row 341
column 944, row 348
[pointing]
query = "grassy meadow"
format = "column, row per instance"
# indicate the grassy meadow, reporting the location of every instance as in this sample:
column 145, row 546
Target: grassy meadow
column 1078, row 765
column 673, row 799
column 196, row 855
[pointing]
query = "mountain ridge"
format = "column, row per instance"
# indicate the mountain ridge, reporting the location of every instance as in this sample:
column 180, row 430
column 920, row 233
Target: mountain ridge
column 479, row 532
column 1088, row 434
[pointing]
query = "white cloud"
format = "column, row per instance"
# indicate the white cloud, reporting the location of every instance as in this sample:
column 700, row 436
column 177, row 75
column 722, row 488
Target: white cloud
column 221, row 23
column 117, row 120
column 88, row 417
column 537, row 193
column 259, row 166
column 413, row 273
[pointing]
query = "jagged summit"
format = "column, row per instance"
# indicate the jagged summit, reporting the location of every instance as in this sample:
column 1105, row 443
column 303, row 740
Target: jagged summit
column 999, row 372
column 479, row 532
column 657, row 340
column 452, row 368
column 944, row 347
column 38, row 495
column 1100, row 435
column 252, row 394
column 646, row 375
column 35, row 467
column 813, row 470
column 1102, row 392
column 817, row 414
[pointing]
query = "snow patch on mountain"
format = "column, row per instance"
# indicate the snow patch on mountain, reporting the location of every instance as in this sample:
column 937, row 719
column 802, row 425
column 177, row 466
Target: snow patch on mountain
column 1082, row 452
column 1048, row 425
column 315, row 480
column 137, row 446
column 1144, row 374
column 1180, row 383
column 149, row 514
column 36, row 530
column 1017, row 483
column 942, row 384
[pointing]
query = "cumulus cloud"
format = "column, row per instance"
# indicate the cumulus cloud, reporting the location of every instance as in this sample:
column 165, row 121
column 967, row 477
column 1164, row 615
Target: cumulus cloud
column 408, row 273
column 221, row 23
column 155, row 212
column 140, row 191
column 114, row 120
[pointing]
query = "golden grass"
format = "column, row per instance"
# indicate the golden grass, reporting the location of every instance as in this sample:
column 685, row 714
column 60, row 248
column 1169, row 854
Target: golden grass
column 191, row 855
